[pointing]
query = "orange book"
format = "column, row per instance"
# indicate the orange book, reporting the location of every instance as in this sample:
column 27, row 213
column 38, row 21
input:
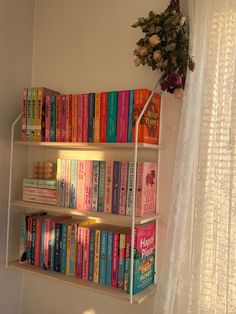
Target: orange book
column 150, row 122
column 97, row 119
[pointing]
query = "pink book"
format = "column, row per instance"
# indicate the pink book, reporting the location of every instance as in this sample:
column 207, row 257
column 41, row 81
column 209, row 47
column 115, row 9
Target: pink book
column 146, row 188
column 75, row 118
column 80, row 117
column 103, row 118
column 24, row 114
column 122, row 116
column 47, row 238
column 86, row 242
column 88, row 185
column 47, row 119
column 69, row 118
column 80, row 184
column 63, row 118
column 115, row 259
column 85, row 119
column 108, row 186
column 79, row 252
column 123, row 187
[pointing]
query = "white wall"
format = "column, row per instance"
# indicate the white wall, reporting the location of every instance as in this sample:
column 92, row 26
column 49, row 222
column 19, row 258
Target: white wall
column 16, row 38
column 83, row 46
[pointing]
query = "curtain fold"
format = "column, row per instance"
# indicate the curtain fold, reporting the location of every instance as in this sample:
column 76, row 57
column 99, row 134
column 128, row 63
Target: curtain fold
column 198, row 273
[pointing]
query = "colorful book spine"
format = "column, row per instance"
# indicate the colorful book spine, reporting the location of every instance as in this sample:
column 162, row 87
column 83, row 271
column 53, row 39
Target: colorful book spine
column 80, row 185
column 108, row 187
column 68, row 250
column 40, row 115
column 130, row 183
column 127, row 262
column 46, row 260
column 116, row 187
column 115, row 259
column 101, row 192
column 97, row 118
column 24, row 115
column 75, row 118
column 68, row 118
column 46, row 184
column 79, row 252
column 131, row 109
column 33, row 240
column 73, row 184
column 85, row 118
column 58, row 239
column 63, row 118
column 53, row 118
column 42, row 244
column 91, row 254
column 58, row 118
column 62, row 182
column 146, row 188
column 88, row 189
column 95, row 185
column 58, row 181
column 103, row 118
column 64, row 248
column 52, row 245
column 91, row 112
column 47, row 119
column 39, row 192
column 80, row 117
column 73, row 249
column 37, row 243
column 29, row 239
column 111, row 117
column 67, row 182
column 96, row 256
column 29, row 112
column 121, row 264
column 40, row 199
column 123, row 187
column 109, row 257
column 122, row 116
column 33, row 113
column 86, row 243
column 103, row 257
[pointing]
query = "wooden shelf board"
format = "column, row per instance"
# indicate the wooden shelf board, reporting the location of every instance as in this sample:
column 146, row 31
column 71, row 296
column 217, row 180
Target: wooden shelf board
column 65, row 145
column 84, row 284
column 112, row 219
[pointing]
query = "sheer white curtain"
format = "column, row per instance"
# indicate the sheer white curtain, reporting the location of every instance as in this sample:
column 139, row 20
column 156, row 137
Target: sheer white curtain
column 199, row 268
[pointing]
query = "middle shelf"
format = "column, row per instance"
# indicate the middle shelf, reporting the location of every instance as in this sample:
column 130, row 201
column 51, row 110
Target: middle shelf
column 113, row 219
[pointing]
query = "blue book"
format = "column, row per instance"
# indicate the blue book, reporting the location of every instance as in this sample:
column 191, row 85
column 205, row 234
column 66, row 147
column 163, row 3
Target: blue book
column 101, row 191
column 42, row 243
column 53, row 118
column 130, row 117
column 58, row 238
column 116, row 187
column 73, row 184
column 91, row 254
column 95, row 185
column 112, row 116
column 91, row 112
column 103, row 257
column 109, row 258
column 63, row 248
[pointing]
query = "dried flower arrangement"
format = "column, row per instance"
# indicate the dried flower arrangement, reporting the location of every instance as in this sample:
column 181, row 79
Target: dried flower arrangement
column 165, row 47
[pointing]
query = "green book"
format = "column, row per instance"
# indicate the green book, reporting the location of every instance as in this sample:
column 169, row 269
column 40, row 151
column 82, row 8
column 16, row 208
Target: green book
column 111, row 116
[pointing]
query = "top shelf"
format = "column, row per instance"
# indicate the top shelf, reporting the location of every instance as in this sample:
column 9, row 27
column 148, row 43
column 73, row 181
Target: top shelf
column 92, row 146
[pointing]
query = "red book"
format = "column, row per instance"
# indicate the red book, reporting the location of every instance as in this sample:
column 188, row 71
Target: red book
column 58, row 118
column 37, row 242
column 47, row 119
column 85, row 119
column 122, row 116
column 103, row 118
column 74, row 118
column 86, row 243
column 79, row 252
column 80, row 117
column 69, row 118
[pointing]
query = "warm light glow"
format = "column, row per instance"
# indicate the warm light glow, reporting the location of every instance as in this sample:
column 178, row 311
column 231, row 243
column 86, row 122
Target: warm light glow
column 89, row 311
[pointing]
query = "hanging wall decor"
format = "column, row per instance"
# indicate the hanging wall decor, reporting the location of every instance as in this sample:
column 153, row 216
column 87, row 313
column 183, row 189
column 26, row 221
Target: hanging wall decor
column 165, row 47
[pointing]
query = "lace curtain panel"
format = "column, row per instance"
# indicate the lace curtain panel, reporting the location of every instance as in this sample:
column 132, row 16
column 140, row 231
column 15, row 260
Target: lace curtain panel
column 199, row 268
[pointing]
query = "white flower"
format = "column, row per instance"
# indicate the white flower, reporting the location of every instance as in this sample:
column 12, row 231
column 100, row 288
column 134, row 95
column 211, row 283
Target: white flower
column 157, row 55
column 182, row 21
column 179, row 93
column 154, row 40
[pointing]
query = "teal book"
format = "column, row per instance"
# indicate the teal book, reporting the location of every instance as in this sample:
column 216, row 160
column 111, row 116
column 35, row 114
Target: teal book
column 23, row 240
column 109, row 257
column 91, row 254
column 91, row 112
column 42, row 244
column 101, row 190
column 73, row 184
column 63, row 248
column 112, row 116
column 52, row 118
column 130, row 117
column 103, row 257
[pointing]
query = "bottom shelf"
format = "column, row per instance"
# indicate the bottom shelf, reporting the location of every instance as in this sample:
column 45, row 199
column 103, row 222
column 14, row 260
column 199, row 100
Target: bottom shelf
column 85, row 284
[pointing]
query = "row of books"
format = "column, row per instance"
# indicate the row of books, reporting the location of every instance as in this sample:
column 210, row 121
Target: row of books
column 40, row 191
column 106, row 186
column 88, row 251
column 92, row 117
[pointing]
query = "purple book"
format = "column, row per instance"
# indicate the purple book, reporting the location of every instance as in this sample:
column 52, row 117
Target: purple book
column 63, row 118
column 116, row 187
column 122, row 116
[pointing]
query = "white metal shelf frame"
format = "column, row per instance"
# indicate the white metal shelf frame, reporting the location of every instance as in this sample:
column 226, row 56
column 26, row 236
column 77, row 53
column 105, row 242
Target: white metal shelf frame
column 135, row 146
